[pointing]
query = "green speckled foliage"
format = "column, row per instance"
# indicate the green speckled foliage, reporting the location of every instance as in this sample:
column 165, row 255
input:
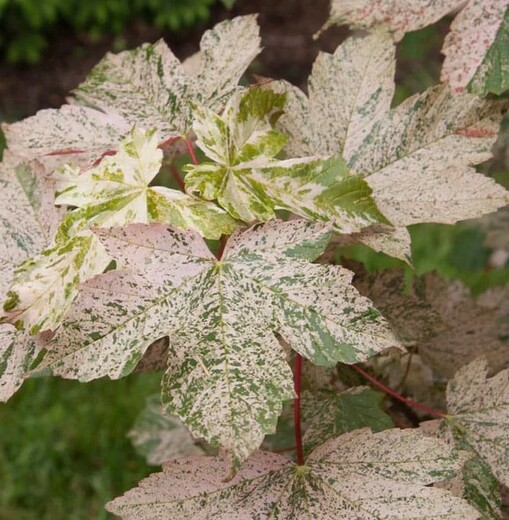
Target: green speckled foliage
column 226, row 279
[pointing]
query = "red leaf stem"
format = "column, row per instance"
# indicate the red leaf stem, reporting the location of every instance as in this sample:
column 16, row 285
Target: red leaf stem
column 222, row 245
column 168, row 142
column 397, row 396
column 176, row 176
column 297, row 381
column 191, row 152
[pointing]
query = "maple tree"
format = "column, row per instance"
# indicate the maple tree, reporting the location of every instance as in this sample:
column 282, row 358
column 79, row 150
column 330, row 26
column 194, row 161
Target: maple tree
column 104, row 271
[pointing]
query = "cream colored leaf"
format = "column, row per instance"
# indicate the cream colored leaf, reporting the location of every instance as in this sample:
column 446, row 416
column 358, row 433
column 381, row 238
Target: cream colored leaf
column 226, row 51
column 349, row 91
column 28, row 217
column 221, row 317
column 45, row 285
column 476, row 482
column 475, row 49
column 478, row 414
column 17, row 351
column 119, row 188
column 400, row 16
column 149, row 86
column 359, row 475
column 114, row 193
column 417, row 158
column 77, row 135
column 27, row 221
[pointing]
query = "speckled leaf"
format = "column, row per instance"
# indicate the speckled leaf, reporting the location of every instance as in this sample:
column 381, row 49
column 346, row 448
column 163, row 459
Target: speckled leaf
column 475, row 482
column 119, row 189
column 27, row 221
column 349, row 91
column 45, row 285
column 477, row 48
column 28, row 217
column 148, row 85
column 327, row 414
column 226, row 51
column 478, row 414
column 159, row 437
column 399, row 16
column 114, row 193
column 359, row 475
column 77, row 134
column 249, row 183
column 220, row 317
column 17, row 352
column 417, row 158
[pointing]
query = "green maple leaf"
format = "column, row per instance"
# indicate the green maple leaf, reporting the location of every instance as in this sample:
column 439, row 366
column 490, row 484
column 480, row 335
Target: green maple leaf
column 328, row 413
column 359, row 475
column 248, row 181
column 227, row 375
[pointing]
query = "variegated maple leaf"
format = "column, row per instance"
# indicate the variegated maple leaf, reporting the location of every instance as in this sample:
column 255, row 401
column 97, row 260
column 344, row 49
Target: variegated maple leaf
column 475, row 482
column 359, row 475
column 478, row 414
column 147, row 86
column 114, row 193
column 250, row 183
column 397, row 16
column 476, row 47
column 119, row 190
column 417, row 158
column 27, row 221
column 227, row 375
column 477, row 422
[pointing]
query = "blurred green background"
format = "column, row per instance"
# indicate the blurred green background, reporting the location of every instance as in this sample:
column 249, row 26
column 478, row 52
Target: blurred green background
column 63, row 446
column 26, row 26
